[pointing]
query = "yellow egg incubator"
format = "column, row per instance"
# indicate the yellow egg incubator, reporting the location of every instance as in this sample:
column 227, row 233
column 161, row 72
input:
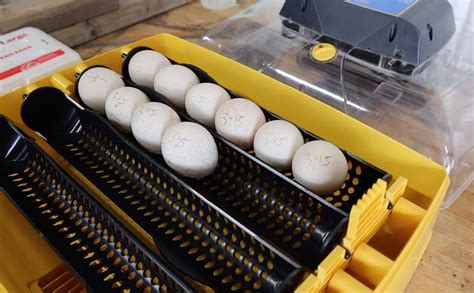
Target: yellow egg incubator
column 85, row 208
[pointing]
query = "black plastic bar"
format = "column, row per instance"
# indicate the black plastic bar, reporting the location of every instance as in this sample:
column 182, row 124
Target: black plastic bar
column 105, row 255
column 195, row 235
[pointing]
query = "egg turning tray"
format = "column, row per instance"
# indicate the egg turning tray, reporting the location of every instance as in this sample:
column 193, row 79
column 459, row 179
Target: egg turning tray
column 105, row 255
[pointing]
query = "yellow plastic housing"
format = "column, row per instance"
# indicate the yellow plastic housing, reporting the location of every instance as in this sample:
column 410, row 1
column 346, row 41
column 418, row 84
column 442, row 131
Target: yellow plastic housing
column 389, row 228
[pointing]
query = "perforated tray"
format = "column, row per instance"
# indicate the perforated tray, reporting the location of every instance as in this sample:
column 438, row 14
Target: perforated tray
column 190, row 231
column 362, row 175
column 105, row 255
column 268, row 203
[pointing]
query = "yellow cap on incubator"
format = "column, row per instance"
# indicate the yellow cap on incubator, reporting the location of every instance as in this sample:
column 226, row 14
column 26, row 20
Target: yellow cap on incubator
column 323, row 52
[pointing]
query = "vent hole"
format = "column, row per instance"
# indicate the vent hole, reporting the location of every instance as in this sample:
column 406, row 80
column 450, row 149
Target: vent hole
column 304, row 4
column 393, row 32
column 430, row 31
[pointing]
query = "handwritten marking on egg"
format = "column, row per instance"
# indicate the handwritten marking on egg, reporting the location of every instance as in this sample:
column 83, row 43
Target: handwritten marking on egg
column 320, row 166
column 276, row 143
column 96, row 84
column 190, row 150
column 120, row 105
column 203, row 100
column 144, row 66
column 238, row 120
column 150, row 122
column 174, row 82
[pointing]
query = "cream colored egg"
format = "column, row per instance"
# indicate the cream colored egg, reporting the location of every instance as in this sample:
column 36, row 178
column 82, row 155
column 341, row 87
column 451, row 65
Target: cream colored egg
column 190, row 150
column 144, row 66
column 174, row 82
column 203, row 100
column 238, row 120
column 96, row 84
column 120, row 105
column 276, row 143
column 150, row 122
column 320, row 166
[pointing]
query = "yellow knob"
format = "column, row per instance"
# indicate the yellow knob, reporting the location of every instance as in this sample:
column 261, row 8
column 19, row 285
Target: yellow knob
column 323, row 52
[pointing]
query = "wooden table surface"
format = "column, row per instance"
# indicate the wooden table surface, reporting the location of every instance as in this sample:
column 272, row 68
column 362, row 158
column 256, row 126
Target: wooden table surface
column 446, row 265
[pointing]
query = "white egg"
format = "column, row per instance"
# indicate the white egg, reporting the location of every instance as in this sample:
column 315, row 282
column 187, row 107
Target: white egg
column 144, row 65
column 190, row 150
column 203, row 100
column 276, row 143
column 96, row 84
column 120, row 105
column 150, row 122
column 174, row 82
column 238, row 120
column 320, row 166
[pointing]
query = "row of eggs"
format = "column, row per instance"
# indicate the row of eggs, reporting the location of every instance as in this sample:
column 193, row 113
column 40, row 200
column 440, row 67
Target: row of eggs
column 189, row 148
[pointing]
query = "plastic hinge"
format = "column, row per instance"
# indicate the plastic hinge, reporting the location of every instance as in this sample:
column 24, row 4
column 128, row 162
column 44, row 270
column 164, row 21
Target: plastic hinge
column 396, row 190
column 367, row 216
column 124, row 51
column 365, row 219
column 59, row 81
column 335, row 261
column 80, row 68
column 31, row 87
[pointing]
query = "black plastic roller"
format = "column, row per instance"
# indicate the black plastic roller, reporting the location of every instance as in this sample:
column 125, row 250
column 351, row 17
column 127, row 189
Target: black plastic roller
column 195, row 235
column 102, row 252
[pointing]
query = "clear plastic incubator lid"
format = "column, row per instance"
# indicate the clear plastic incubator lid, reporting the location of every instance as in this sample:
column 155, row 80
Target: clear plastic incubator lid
column 429, row 108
